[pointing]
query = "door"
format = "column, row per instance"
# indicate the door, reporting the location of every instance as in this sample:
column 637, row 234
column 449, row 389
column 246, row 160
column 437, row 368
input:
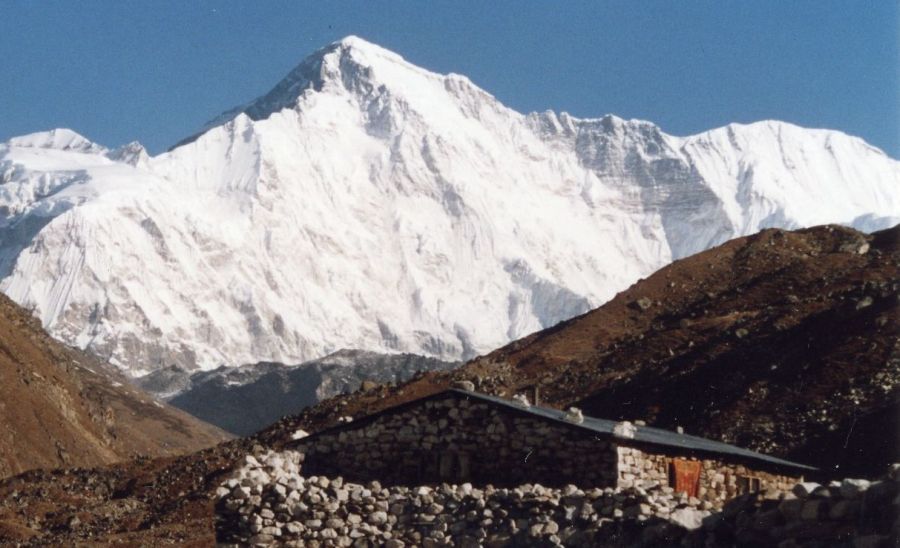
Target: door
column 685, row 476
column 454, row 467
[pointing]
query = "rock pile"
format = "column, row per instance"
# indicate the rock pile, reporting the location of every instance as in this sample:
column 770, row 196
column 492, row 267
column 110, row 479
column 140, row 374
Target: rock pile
column 268, row 501
column 853, row 512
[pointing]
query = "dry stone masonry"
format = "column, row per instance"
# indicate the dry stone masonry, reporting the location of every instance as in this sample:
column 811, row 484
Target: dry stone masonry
column 851, row 513
column 461, row 440
column 718, row 480
column 268, row 502
column 459, row 437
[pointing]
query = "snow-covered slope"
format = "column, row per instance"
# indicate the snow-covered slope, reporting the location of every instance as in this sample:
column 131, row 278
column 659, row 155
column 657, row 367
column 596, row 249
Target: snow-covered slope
column 368, row 203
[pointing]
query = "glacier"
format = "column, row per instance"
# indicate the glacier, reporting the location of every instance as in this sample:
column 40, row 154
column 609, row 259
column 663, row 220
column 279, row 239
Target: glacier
column 367, row 203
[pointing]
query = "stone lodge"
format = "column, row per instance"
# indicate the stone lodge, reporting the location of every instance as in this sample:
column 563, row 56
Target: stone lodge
column 461, row 436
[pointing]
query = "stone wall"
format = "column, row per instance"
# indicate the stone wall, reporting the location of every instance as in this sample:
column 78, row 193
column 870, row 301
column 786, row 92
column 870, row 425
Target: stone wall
column 852, row 513
column 457, row 440
column 267, row 501
column 719, row 480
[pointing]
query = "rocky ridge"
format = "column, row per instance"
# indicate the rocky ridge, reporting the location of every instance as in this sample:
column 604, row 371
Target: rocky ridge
column 137, row 502
column 245, row 399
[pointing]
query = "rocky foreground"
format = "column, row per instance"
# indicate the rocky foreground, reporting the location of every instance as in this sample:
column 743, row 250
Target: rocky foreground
column 269, row 501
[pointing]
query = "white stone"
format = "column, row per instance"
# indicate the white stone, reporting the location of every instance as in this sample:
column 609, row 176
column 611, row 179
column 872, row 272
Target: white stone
column 852, row 488
column 805, row 489
column 624, row 429
column 688, row 518
column 574, row 415
column 377, row 518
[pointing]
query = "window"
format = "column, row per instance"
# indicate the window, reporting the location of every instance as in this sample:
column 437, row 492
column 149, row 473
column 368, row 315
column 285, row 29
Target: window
column 747, row 484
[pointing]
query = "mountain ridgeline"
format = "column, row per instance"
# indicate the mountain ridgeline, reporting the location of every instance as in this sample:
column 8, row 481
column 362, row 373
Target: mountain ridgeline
column 246, row 399
column 368, row 203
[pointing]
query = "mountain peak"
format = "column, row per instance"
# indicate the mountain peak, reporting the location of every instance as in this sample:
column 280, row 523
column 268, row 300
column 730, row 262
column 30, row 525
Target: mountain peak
column 350, row 59
column 132, row 153
column 361, row 44
column 345, row 63
column 352, row 40
column 364, row 176
column 57, row 139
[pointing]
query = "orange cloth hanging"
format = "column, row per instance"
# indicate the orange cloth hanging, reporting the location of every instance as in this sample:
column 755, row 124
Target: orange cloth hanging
column 686, row 474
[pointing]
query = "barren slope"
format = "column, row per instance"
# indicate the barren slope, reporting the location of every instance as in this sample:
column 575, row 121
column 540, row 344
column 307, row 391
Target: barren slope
column 60, row 407
column 800, row 296
column 783, row 342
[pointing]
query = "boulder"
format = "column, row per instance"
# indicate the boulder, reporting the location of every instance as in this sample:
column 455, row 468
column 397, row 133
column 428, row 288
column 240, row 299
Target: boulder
column 813, row 510
column 368, row 386
column 804, row 489
column 688, row 518
column 377, row 518
column 853, row 488
column 468, row 386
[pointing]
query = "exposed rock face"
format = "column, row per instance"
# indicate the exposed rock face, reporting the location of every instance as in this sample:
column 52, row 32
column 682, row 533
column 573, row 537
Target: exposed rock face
column 60, row 407
column 245, row 399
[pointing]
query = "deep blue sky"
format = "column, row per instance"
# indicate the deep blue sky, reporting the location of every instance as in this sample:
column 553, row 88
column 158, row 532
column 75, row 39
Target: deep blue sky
column 156, row 71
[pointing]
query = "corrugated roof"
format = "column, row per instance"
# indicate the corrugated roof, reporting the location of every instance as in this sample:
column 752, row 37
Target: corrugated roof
column 642, row 434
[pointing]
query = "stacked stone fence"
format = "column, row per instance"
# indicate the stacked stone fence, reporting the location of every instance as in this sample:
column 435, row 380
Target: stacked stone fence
column 851, row 513
column 268, row 502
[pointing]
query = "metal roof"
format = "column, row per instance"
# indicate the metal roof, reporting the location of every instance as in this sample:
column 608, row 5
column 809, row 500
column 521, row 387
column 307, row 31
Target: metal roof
column 642, row 434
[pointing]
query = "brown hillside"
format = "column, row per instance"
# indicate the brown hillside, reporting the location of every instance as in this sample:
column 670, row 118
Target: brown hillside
column 783, row 342
column 61, row 408
column 801, row 301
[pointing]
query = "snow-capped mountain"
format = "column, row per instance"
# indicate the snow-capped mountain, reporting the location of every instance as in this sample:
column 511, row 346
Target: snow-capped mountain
column 368, row 203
